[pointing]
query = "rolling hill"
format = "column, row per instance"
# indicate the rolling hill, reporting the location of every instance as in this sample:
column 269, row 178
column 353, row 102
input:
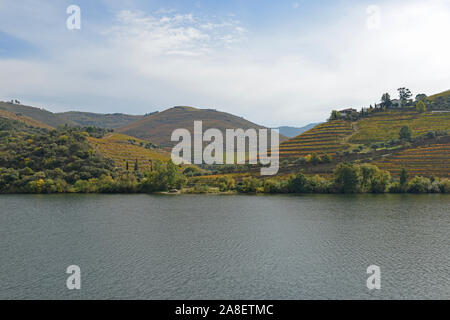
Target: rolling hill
column 27, row 120
column 107, row 121
column 158, row 127
column 41, row 115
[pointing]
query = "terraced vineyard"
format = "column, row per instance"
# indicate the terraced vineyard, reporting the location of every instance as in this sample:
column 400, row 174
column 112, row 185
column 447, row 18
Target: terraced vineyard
column 386, row 125
column 325, row 138
column 120, row 148
column 433, row 160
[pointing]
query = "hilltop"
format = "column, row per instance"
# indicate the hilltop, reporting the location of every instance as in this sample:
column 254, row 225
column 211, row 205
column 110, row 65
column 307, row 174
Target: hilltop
column 158, row 127
column 107, row 121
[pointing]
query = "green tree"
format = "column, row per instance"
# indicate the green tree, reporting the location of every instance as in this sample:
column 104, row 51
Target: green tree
column 136, row 166
column 386, row 100
column 404, row 176
column 127, row 165
column 298, row 184
column 421, row 107
column 380, row 181
column 421, row 97
column 346, row 178
column 367, row 172
column 335, row 115
column 405, row 133
column 404, row 95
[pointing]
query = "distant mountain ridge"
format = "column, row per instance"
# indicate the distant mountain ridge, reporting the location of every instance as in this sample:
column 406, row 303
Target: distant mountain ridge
column 291, row 132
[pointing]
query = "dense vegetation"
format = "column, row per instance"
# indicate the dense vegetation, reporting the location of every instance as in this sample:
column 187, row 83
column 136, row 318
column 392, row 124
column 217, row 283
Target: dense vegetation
column 347, row 178
column 51, row 119
column 36, row 160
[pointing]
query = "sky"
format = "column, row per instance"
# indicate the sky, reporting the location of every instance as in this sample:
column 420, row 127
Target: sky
column 273, row 62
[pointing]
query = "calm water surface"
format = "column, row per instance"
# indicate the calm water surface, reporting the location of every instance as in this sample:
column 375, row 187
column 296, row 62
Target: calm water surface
column 224, row 247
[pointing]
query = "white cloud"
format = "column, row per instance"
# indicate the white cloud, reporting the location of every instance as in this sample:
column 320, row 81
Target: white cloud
column 147, row 61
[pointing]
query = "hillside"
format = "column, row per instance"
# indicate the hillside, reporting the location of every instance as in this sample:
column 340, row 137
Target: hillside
column 444, row 94
column 440, row 101
column 323, row 138
column 68, row 160
column 41, row 115
column 35, row 160
column 107, row 121
column 375, row 140
column 28, row 121
column 122, row 148
column 427, row 160
column 158, row 128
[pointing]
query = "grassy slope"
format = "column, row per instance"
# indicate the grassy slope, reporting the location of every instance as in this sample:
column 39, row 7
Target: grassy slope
column 120, row 148
column 108, row 121
column 24, row 119
column 158, row 128
column 44, row 116
column 442, row 94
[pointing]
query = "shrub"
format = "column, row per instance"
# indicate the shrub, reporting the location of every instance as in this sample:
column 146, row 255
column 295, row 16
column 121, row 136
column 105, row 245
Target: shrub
column 380, row 182
column 405, row 133
column 396, row 187
column 444, row 186
column 248, row 185
column 346, row 178
column 271, row 186
column 419, row 185
column 318, row 184
column 298, row 184
column 225, row 183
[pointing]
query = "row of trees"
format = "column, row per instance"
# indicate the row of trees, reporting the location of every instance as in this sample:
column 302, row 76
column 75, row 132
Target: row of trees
column 347, row 178
column 404, row 96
